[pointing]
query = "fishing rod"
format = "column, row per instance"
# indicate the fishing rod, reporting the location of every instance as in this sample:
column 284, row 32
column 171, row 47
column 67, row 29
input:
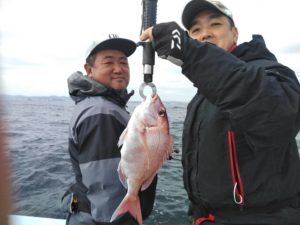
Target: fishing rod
column 148, row 20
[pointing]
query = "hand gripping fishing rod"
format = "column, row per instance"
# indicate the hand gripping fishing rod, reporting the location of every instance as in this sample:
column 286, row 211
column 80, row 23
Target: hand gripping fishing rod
column 148, row 20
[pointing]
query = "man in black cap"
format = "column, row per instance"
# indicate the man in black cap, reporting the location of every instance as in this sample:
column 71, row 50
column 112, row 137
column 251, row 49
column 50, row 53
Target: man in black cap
column 240, row 157
column 97, row 122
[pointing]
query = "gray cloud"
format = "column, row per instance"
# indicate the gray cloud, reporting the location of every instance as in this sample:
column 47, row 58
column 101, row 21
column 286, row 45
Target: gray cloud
column 15, row 62
column 292, row 49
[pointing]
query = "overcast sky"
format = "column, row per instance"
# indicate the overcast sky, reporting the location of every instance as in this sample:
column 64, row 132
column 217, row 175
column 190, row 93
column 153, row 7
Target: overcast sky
column 44, row 41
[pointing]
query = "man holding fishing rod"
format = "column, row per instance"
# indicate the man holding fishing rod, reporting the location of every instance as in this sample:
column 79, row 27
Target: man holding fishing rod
column 240, row 157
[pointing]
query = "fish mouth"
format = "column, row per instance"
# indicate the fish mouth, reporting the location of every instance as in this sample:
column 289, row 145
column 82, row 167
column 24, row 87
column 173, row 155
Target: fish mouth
column 154, row 98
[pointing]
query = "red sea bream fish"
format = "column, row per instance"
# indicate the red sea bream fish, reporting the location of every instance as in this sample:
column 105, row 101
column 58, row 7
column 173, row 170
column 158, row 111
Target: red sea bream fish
column 147, row 143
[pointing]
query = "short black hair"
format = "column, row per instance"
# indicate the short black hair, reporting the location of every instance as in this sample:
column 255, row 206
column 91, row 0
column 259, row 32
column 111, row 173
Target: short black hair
column 91, row 59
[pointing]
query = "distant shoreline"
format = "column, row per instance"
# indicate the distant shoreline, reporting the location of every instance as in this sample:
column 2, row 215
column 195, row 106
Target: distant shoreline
column 5, row 96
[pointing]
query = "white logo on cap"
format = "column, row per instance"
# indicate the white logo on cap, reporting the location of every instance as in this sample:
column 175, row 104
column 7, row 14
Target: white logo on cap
column 113, row 36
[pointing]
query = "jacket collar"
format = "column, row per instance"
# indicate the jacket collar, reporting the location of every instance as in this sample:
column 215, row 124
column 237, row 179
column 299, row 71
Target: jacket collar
column 81, row 86
column 253, row 50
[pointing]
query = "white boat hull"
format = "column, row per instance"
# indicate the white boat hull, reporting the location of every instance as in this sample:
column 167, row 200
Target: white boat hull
column 31, row 220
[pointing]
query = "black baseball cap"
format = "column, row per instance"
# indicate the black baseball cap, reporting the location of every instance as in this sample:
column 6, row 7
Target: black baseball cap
column 192, row 9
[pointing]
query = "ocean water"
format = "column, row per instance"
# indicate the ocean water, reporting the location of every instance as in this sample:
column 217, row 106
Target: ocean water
column 37, row 130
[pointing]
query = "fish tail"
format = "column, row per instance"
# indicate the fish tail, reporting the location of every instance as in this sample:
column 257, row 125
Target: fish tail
column 131, row 204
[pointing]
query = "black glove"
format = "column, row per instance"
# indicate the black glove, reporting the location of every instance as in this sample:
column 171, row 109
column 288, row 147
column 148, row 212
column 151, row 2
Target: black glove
column 168, row 41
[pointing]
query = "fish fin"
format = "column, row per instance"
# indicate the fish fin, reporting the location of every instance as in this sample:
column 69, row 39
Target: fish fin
column 122, row 177
column 170, row 149
column 122, row 137
column 131, row 204
column 148, row 182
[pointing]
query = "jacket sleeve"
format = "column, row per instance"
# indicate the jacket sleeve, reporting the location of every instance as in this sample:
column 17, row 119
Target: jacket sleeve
column 262, row 104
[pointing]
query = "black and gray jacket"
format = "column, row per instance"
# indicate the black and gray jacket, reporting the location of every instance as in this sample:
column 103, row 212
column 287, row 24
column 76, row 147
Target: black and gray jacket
column 98, row 120
column 239, row 148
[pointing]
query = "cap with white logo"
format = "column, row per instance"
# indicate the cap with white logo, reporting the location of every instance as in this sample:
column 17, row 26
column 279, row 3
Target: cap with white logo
column 113, row 42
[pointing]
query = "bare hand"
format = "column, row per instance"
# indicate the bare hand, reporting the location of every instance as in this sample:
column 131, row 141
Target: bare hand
column 147, row 34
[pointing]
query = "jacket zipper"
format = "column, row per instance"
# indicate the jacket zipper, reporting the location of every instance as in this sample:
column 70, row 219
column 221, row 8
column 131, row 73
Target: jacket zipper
column 238, row 189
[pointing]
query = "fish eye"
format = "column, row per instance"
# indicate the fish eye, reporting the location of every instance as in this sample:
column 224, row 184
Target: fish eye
column 162, row 112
